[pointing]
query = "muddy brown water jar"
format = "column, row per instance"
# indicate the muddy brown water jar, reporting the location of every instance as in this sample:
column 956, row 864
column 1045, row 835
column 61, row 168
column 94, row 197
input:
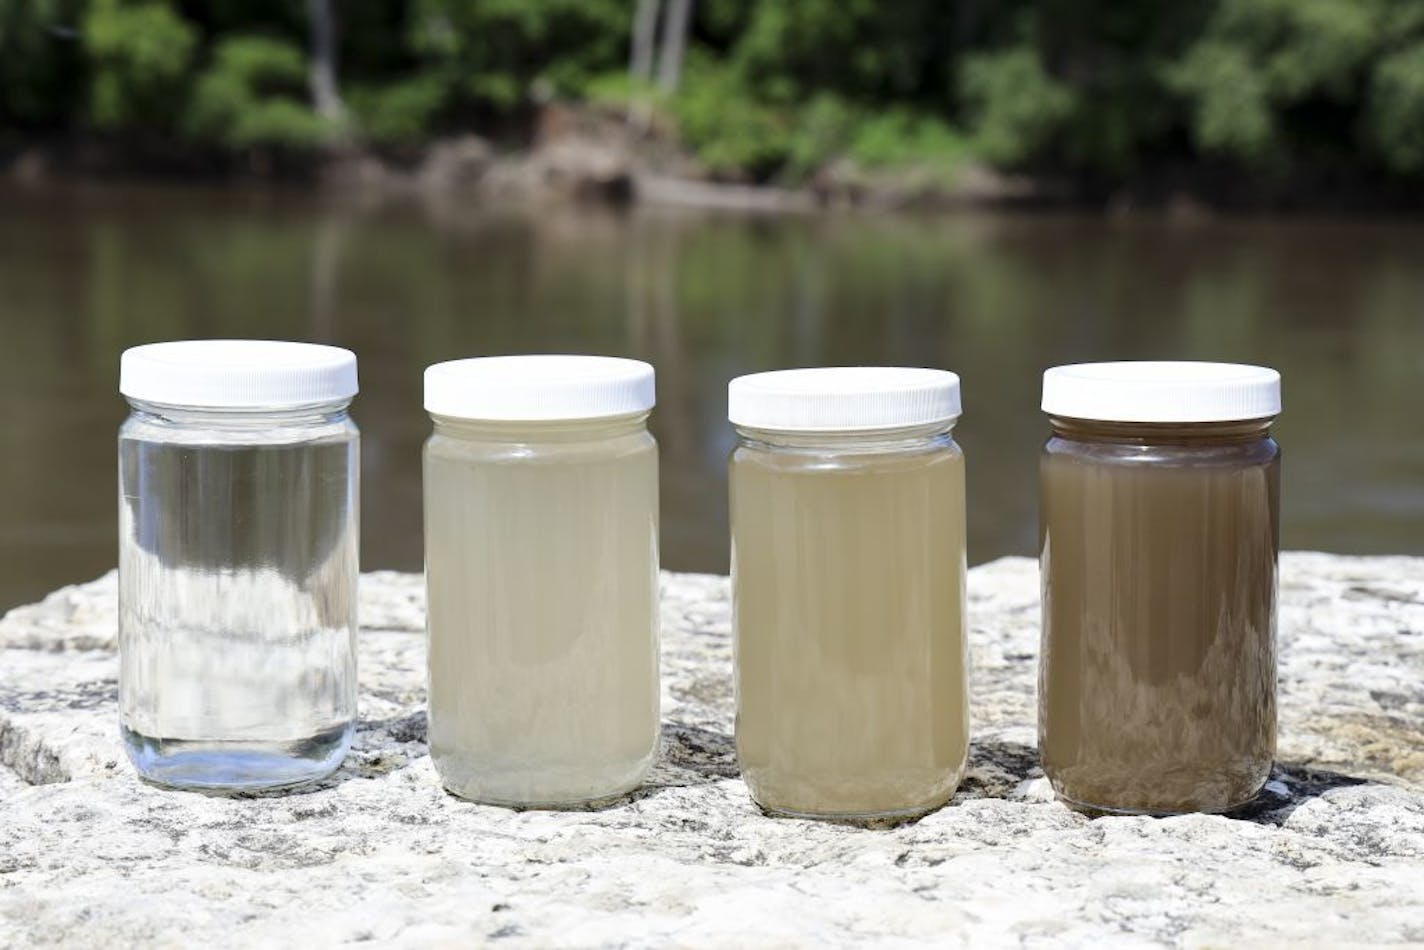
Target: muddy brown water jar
column 848, row 567
column 1159, row 515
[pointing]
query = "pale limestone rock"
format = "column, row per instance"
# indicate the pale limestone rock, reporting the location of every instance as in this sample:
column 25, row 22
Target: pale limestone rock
column 1332, row 852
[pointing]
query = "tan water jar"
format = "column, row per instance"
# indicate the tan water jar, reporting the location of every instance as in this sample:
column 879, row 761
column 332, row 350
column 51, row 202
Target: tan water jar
column 541, row 561
column 848, row 570
column 1160, row 499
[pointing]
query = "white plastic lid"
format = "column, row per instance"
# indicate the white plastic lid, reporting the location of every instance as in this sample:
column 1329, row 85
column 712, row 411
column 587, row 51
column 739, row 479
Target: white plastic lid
column 843, row 398
column 539, row 388
column 1162, row 392
column 237, row 374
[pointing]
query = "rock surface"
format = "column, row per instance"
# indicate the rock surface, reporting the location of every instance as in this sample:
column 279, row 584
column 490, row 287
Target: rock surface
column 1333, row 851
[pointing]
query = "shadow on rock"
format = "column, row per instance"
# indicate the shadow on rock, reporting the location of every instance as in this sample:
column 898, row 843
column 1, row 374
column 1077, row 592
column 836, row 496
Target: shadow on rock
column 380, row 747
column 997, row 768
column 1289, row 787
column 687, row 756
column 706, row 753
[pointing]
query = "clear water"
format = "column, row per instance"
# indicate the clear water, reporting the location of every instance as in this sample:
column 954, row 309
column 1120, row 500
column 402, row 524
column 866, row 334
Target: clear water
column 219, row 765
column 237, row 574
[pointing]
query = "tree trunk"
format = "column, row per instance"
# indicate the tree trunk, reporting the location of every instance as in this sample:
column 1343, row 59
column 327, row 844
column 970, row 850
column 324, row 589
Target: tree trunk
column 675, row 25
column 645, row 28
column 640, row 62
column 326, row 98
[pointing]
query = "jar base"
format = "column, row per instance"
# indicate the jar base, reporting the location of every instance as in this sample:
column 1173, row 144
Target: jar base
column 890, row 816
column 472, row 784
column 848, row 802
column 246, row 766
column 572, row 804
column 894, row 817
column 1105, row 811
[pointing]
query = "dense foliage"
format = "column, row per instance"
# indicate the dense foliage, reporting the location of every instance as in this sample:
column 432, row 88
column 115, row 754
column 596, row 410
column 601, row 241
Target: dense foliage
column 769, row 89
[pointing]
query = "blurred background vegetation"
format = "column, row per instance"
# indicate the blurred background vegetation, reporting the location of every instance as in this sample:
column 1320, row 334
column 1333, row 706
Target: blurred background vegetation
column 766, row 90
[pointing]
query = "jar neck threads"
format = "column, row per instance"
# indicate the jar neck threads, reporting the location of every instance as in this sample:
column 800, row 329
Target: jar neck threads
column 1162, row 433
column 244, row 418
column 866, row 441
column 543, row 430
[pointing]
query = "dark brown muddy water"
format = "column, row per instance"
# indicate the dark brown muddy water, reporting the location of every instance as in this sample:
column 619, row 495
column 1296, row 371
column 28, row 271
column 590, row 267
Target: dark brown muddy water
column 1337, row 306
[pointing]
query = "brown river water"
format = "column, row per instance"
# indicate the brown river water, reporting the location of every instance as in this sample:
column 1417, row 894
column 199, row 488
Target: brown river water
column 1337, row 306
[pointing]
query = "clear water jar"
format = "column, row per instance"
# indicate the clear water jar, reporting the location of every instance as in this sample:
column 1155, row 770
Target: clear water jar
column 237, row 562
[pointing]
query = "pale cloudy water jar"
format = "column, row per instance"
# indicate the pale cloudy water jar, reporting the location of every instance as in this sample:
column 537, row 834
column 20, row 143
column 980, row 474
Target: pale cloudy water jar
column 541, row 562
column 238, row 530
column 848, row 573
column 1160, row 510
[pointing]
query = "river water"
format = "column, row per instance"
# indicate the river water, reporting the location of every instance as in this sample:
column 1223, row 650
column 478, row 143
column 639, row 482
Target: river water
column 1337, row 306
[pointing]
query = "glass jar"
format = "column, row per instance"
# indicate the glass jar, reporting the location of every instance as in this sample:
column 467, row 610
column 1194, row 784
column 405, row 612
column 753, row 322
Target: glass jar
column 237, row 562
column 541, row 564
column 848, row 570
column 1160, row 499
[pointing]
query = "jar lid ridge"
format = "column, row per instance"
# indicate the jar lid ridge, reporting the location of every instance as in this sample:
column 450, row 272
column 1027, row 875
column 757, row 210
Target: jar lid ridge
column 539, row 387
column 1162, row 391
column 237, row 374
column 843, row 398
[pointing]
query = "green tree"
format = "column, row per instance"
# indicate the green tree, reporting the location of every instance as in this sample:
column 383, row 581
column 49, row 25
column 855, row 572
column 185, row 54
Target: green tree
column 868, row 50
column 1110, row 54
column 254, row 94
column 1015, row 108
column 1231, row 108
column 730, row 130
column 138, row 55
column 1395, row 116
column 500, row 53
column 400, row 111
column 1258, row 61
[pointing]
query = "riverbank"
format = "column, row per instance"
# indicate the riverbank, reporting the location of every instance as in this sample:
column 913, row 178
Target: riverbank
column 567, row 155
column 1331, row 847
column 575, row 154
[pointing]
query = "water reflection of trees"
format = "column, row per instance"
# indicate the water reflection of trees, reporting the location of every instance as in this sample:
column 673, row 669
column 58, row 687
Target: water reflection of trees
column 703, row 297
